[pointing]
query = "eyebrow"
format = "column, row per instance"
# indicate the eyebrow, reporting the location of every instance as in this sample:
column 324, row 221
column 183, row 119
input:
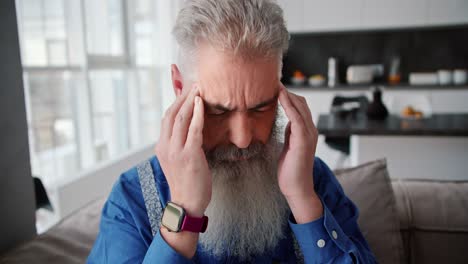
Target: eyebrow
column 274, row 99
column 255, row 107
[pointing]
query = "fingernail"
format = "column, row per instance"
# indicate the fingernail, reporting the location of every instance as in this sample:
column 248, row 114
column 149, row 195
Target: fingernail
column 197, row 100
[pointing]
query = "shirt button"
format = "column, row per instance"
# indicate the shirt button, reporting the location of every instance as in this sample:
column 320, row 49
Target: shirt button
column 334, row 234
column 321, row 243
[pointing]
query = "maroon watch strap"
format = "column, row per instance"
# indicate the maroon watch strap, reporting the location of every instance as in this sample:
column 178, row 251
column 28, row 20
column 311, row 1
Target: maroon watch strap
column 194, row 224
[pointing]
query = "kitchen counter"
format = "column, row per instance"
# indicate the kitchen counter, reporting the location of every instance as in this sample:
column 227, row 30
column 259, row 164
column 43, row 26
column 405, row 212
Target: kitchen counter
column 455, row 125
column 432, row 148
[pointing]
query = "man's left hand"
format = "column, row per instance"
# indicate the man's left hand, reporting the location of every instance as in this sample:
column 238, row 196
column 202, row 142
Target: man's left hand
column 296, row 163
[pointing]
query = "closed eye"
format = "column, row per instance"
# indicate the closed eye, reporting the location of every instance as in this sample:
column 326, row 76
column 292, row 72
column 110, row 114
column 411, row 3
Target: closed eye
column 264, row 108
column 216, row 112
column 215, row 109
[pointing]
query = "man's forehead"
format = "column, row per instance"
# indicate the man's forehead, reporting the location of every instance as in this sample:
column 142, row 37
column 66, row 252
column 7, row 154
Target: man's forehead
column 230, row 80
column 240, row 99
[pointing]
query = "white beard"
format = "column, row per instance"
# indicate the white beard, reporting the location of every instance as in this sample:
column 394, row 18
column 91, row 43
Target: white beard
column 247, row 213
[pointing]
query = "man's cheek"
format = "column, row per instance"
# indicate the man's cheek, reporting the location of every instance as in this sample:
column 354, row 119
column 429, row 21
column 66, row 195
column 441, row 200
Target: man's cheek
column 211, row 125
column 263, row 127
column 213, row 132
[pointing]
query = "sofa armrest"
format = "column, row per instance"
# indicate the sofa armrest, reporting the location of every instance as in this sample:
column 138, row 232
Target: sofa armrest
column 433, row 220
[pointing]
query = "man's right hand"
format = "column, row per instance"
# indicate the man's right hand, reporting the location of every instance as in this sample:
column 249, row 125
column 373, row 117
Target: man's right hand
column 182, row 159
column 181, row 156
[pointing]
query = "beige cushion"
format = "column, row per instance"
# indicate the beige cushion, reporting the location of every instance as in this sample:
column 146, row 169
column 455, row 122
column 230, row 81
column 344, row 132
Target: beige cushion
column 369, row 187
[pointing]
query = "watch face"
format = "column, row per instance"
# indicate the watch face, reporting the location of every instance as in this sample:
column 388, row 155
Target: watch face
column 172, row 217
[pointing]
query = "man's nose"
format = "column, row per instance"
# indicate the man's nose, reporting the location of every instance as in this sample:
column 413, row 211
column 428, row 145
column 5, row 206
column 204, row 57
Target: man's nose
column 240, row 130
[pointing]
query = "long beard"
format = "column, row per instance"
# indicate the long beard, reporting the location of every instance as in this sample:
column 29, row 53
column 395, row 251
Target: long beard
column 247, row 213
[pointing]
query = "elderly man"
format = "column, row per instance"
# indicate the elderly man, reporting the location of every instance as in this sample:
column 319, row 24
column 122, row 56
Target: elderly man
column 223, row 187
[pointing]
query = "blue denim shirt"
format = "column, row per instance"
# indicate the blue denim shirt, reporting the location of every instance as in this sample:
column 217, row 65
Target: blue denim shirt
column 125, row 233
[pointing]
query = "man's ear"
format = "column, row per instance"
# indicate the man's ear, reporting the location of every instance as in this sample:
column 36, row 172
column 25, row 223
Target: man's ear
column 177, row 83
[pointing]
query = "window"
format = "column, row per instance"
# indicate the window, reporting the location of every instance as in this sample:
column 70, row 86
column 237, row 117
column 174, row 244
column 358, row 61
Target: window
column 109, row 94
column 52, row 123
column 92, row 79
column 105, row 27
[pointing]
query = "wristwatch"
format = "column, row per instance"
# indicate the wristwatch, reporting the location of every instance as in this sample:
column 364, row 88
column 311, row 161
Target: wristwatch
column 175, row 220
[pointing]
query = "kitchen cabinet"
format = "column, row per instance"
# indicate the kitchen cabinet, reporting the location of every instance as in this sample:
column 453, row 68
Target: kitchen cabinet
column 320, row 15
column 304, row 16
column 394, row 13
column 444, row 12
column 293, row 14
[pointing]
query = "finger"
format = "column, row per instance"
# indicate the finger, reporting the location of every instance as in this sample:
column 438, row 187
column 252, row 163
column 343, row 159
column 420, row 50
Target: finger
column 195, row 133
column 303, row 109
column 182, row 120
column 167, row 122
column 301, row 106
column 289, row 109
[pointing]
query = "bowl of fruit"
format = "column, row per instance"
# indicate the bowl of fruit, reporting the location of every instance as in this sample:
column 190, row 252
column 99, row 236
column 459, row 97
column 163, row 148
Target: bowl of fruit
column 410, row 112
column 298, row 78
column 316, row 80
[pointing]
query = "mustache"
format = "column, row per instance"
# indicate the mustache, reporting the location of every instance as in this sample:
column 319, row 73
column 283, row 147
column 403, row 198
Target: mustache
column 232, row 153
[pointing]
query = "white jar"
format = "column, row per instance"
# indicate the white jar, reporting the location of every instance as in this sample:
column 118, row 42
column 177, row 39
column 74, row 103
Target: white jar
column 459, row 76
column 445, row 77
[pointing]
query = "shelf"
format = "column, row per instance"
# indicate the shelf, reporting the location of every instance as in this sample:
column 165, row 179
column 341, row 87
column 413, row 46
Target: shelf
column 345, row 87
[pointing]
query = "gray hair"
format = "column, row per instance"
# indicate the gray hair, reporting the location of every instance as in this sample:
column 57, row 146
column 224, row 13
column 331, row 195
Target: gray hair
column 246, row 28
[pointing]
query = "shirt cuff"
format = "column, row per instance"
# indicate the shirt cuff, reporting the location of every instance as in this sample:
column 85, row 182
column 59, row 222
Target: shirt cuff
column 321, row 238
column 161, row 252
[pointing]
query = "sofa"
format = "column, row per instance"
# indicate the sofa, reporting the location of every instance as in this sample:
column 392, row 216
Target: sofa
column 433, row 219
column 404, row 221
